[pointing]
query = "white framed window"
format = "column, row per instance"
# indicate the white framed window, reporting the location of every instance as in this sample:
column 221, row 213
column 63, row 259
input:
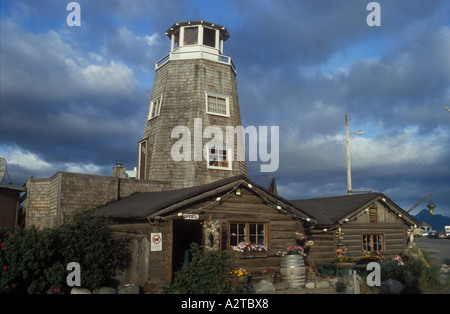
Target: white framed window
column 219, row 158
column 155, row 108
column 217, row 104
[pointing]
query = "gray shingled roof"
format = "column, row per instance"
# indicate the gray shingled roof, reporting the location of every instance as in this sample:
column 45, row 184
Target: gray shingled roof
column 330, row 210
column 143, row 205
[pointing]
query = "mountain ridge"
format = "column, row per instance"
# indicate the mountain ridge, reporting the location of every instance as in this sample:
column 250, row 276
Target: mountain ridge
column 437, row 222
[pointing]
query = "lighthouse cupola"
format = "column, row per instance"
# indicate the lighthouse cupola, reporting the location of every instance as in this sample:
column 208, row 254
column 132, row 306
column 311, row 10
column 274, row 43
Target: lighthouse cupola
column 196, row 39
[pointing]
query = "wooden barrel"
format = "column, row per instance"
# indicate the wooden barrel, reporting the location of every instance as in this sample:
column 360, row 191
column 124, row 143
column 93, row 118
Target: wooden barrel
column 292, row 270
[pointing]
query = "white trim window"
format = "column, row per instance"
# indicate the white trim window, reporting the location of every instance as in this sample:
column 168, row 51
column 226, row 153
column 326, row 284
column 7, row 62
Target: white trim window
column 219, row 158
column 217, row 104
column 155, row 108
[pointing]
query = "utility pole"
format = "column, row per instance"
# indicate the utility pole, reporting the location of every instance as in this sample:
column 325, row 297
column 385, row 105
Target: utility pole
column 349, row 175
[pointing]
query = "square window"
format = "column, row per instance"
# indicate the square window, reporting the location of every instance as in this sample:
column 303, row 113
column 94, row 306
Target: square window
column 373, row 242
column 217, row 104
column 254, row 233
column 218, row 158
column 190, row 36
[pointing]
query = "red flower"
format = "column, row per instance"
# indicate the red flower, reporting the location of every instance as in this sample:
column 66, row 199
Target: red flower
column 56, row 290
column 5, row 267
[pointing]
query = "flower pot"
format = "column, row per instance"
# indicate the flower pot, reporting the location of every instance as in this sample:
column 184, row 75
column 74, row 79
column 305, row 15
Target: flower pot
column 241, row 279
column 345, row 264
column 301, row 242
column 310, row 276
column 292, row 270
column 253, row 254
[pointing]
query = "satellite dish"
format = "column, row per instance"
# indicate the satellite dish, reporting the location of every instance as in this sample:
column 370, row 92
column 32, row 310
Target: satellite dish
column 2, row 168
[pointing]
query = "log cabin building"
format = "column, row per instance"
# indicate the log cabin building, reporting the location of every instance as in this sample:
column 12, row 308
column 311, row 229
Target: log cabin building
column 209, row 200
column 217, row 215
column 369, row 222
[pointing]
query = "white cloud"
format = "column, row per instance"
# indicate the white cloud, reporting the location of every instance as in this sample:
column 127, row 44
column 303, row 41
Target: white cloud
column 23, row 160
column 108, row 78
column 26, row 160
column 398, row 152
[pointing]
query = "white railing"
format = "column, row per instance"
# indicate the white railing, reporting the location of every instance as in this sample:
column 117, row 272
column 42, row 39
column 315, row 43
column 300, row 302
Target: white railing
column 195, row 54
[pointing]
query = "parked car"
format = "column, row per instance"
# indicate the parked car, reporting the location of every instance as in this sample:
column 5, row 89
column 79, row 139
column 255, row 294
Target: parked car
column 424, row 234
column 432, row 234
column 448, row 235
column 442, row 235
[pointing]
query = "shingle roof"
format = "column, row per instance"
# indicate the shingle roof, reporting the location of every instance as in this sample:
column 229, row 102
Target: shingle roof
column 330, row 210
column 143, row 205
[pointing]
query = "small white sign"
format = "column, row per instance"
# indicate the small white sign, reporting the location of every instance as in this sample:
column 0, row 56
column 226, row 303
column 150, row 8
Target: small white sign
column 156, row 244
column 190, row 216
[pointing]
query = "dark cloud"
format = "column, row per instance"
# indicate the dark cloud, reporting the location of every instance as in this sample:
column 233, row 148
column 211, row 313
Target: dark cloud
column 76, row 98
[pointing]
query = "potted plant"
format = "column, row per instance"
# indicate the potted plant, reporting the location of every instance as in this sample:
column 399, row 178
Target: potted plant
column 292, row 250
column 300, row 238
column 310, row 273
column 269, row 274
column 308, row 246
column 240, row 275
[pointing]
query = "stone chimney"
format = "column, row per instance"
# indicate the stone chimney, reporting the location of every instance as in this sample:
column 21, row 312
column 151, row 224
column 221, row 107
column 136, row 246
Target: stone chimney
column 119, row 171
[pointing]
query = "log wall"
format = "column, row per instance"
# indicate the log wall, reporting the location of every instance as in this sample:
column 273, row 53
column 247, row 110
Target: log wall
column 387, row 224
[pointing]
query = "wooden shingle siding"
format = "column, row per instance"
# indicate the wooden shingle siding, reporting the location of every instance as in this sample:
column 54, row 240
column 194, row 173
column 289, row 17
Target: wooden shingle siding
column 183, row 84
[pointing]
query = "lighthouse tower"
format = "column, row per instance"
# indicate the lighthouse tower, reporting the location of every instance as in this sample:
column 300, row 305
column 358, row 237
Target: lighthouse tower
column 192, row 132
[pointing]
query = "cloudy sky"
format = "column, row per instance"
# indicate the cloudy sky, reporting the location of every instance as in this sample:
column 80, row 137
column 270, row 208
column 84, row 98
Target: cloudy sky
column 76, row 98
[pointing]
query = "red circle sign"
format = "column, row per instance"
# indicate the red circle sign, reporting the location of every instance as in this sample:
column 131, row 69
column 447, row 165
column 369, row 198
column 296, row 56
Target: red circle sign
column 156, row 239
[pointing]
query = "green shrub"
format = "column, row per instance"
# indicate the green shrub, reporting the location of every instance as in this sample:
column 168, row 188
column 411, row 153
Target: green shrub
column 28, row 261
column 207, row 273
column 34, row 261
column 88, row 240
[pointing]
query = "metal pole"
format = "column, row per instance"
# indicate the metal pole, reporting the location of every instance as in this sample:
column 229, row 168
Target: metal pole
column 349, row 175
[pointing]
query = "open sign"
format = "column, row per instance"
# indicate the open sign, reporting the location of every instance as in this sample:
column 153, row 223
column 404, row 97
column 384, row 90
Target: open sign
column 190, row 216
